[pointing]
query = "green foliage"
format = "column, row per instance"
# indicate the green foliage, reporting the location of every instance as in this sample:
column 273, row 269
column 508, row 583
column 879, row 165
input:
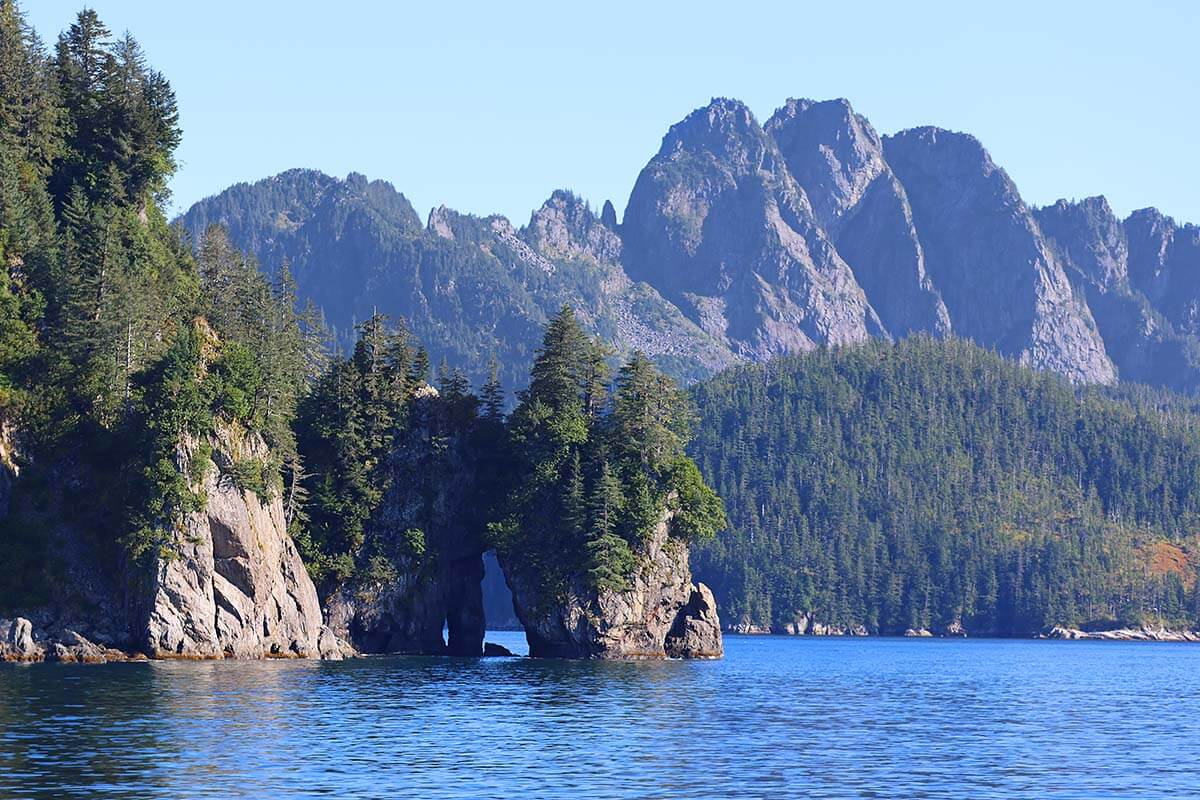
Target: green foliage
column 699, row 511
column 929, row 482
column 257, row 476
column 412, row 543
column 380, row 447
column 595, row 474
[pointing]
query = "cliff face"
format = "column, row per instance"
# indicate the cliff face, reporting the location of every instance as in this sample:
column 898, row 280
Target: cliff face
column 662, row 613
column 232, row 585
column 237, row 587
column 1000, row 282
column 718, row 224
column 837, row 157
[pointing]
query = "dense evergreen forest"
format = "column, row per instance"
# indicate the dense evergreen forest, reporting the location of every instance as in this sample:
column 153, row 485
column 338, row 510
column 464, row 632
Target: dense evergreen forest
column 932, row 482
column 116, row 338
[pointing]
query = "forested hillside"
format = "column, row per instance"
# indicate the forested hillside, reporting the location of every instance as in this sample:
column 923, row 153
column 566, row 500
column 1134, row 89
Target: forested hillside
column 117, row 343
column 930, row 483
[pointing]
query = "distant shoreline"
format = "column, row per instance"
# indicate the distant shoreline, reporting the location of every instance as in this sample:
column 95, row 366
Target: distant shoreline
column 1055, row 633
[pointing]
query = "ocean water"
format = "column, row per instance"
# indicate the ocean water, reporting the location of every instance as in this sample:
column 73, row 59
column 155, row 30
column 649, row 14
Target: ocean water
column 777, row 718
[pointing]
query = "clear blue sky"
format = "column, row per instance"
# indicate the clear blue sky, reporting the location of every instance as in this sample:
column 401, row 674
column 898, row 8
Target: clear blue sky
column 488, row 107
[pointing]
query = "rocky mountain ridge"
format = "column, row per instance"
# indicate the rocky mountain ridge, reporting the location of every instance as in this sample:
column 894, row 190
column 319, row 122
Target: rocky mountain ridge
column 742, row 241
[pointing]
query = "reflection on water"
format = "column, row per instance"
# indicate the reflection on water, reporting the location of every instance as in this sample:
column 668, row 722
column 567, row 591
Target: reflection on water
column 777, row 718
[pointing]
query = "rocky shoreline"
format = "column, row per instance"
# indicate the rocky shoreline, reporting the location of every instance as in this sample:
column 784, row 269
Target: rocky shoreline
column 957, row 631
column 1143, row 634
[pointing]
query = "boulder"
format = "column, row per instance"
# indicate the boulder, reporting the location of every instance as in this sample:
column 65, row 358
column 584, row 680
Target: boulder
column 493, row 650
column 73, row 648
column 17, row 643
column 697, row 630
column 331, row 647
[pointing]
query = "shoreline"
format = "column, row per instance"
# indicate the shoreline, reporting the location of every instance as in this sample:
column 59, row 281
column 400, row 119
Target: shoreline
column 1053, row 633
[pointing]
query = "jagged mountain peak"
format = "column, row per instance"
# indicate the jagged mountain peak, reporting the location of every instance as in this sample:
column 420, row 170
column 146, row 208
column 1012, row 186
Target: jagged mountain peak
column 1090, row 237
column 719, row 225
column 725, row 129
column 566, row 227
column 834, row 153
column 955, row 153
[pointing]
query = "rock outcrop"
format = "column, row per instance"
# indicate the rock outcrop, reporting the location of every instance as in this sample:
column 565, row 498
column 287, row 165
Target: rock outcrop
column 429, row 572
column 235, row 585
column 1143, row 634
column 662, row 613
column 229, row 583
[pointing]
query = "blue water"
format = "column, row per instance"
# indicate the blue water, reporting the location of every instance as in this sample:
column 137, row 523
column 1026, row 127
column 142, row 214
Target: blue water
column 778, row 717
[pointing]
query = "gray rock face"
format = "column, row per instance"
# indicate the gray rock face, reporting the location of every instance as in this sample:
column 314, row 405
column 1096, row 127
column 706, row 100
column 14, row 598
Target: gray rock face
column 565, row 228
column 237, row 587
column 661, row 614
column 837, row 157
column 1164, row 264
column 718, row 225
column 697, row 629
column 984, row 251
column 1104, row 256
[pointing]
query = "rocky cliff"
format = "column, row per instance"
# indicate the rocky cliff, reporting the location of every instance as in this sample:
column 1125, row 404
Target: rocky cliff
column 718, row 224
column 230, row 583
column 661, row 614
column 234, row 585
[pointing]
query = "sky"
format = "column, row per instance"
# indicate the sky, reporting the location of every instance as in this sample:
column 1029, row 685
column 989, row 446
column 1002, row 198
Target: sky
column 488, row 107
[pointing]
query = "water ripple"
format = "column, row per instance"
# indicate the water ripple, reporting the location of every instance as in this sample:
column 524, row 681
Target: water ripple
column 778, row 717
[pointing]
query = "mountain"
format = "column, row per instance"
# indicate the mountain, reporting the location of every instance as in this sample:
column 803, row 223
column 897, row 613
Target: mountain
column 934, row 485
column 742, row 242
column 468, row 287
column 1139, row 278
column 837, row 157
column 718, row 224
